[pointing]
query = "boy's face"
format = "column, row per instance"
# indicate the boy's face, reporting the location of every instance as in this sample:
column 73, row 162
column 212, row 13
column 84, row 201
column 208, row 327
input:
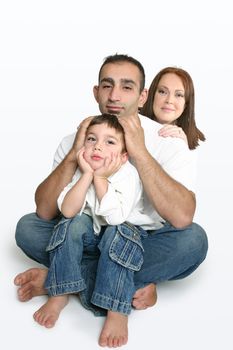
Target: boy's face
column 118, row 91
column 103, row 142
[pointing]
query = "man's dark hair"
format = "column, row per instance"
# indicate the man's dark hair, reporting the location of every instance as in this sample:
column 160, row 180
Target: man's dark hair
column 125, row 58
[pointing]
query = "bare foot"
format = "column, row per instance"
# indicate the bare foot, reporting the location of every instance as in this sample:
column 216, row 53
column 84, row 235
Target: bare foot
column 31, row 283
column 115, row 330
column 145, row 297
column 48, row 314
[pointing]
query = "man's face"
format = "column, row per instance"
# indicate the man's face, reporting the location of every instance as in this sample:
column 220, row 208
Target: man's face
column 119, row 89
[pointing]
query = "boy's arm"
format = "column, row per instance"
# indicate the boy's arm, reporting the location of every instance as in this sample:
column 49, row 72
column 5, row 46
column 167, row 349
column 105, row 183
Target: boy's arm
column 75, row 195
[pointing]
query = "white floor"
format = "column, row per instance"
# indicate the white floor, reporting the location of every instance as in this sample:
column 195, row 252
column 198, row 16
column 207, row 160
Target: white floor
column 194, row 313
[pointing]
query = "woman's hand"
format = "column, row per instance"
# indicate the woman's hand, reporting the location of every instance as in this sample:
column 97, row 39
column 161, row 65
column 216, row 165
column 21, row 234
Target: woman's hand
column 173, row 131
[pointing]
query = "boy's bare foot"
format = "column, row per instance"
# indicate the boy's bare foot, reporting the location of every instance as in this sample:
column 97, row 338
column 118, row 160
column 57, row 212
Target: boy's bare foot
column 145, row 297
column 115, row 330
column 48, row 314
column 31, row 283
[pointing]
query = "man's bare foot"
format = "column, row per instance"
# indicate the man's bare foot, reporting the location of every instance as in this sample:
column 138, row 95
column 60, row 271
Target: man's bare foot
column 31, row 283
column 145, row 297
column 48, row 314
column 115, row 330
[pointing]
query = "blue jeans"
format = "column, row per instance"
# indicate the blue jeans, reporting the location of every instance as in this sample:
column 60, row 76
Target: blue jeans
column 169, row 253
column 120, row 253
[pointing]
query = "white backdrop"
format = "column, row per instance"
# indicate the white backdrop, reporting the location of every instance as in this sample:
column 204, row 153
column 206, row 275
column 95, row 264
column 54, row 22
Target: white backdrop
column 50, row 54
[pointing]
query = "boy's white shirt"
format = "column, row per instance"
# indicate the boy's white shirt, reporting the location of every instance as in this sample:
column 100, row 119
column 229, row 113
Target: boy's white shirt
column 173, row 155
column 122, row 202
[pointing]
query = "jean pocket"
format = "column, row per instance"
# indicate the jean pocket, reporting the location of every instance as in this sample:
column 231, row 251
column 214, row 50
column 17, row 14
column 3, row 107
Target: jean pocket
column 126, row 248
column 59, row 234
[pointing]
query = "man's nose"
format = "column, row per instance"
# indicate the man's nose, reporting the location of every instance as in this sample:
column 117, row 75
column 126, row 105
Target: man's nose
column 114, row 94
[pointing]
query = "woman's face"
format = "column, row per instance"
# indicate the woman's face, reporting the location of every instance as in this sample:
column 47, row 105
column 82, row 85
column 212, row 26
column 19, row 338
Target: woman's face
column 169, row 99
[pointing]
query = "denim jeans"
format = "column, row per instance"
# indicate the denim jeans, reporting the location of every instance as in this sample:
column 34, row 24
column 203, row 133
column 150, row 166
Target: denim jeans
column 120, row 252
column 169, row 253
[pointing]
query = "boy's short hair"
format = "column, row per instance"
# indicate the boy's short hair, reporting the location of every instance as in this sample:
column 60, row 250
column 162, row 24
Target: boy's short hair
column 111, row 121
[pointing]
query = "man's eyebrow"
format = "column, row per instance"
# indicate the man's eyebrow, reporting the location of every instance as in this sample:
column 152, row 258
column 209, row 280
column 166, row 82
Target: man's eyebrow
column 123, row 81
column 128, row 81
column 107, row 80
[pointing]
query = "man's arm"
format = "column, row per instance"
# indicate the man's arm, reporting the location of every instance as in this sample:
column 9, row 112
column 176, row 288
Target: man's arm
column 173, row 201
column 48, row 191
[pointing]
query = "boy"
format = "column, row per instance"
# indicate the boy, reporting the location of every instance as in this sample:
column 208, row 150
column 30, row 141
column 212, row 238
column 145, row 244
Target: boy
column 106, row 189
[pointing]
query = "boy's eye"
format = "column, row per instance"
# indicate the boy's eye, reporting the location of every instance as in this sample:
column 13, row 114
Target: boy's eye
column 91, row 139
column 110, row 142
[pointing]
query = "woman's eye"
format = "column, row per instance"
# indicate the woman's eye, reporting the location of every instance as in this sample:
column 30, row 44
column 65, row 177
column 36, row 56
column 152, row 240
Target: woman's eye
column 161, row 91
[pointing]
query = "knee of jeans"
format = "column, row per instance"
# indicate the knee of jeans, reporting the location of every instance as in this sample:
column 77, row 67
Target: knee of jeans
column 23, row 230
column 80, row 225
column 200, row 240
column 107, row 238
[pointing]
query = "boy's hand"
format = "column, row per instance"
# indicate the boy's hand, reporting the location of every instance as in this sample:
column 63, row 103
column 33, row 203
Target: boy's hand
column 82, row 163
column 111, row 166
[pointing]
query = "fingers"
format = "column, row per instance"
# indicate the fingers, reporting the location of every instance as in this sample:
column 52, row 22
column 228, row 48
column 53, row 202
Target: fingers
column 81, row 134
column 172, row 131
column 111, row 165
column 85, row 122
column 130, row 122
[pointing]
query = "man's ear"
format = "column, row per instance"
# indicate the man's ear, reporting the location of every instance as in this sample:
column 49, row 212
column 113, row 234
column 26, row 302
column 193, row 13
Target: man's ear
column 124, row 157
column 143, row 98
column 95, row 92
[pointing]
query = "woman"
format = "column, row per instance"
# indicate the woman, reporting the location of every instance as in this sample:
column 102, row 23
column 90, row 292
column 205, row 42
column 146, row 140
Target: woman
column 171, row 102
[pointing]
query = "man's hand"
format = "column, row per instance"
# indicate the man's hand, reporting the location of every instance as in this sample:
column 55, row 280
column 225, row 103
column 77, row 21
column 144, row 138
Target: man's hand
column 134, row 135
column 80, row 136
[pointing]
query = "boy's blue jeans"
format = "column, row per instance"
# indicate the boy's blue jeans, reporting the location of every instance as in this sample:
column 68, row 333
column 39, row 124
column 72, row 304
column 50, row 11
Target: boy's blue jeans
column 120, row 253
column 169, row 253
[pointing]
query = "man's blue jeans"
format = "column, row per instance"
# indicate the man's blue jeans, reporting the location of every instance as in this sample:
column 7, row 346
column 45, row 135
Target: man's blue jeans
column 120, row 251
column 169, row 253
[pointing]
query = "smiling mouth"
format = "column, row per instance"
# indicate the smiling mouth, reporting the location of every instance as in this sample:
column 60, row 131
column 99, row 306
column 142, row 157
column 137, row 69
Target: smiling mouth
column 167, row 110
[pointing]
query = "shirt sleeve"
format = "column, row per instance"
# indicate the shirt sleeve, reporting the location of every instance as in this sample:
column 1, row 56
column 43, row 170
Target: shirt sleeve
column 181, row 164
column 66, row 190
column 62, row 150
column 124, row 191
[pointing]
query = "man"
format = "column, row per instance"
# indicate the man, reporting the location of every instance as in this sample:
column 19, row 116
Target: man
column 172, row 251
